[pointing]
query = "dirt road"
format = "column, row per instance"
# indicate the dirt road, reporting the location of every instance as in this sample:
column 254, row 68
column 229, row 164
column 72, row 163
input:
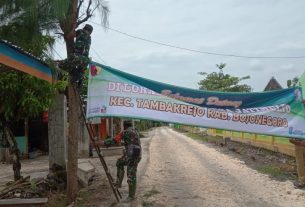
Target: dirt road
column 184, row 172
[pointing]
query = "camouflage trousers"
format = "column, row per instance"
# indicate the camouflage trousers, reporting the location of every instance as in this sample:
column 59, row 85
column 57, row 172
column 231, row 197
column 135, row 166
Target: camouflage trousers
column 76, row 65
column 132, row 165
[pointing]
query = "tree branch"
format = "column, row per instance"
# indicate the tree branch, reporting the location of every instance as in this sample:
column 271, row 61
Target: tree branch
column 78, row 7
column 89, row 13
column 59, row 33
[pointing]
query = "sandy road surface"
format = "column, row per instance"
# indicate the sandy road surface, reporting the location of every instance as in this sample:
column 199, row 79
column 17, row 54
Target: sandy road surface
column 184, row 172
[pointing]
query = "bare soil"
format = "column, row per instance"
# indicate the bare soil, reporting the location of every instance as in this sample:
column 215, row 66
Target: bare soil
column 180, row 171
column 277, row 165
column 185, row 172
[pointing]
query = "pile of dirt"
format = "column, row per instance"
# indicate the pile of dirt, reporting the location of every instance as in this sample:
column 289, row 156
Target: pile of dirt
column 36, row 188
column 98, row 193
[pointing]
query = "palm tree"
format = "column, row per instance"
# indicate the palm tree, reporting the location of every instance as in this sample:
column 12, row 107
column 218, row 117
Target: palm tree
column 17, row 29
column 68, row 25
column 55, row 16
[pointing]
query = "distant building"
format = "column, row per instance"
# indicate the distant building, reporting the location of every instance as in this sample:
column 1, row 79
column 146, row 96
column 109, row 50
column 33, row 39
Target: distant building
column 273, row 84
column 31, row 134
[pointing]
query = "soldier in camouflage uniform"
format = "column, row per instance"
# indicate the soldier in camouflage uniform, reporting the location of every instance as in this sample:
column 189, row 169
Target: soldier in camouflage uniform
column 131, row 157
column 79, row 60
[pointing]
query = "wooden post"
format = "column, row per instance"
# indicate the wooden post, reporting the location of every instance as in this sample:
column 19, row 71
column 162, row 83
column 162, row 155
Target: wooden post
column 255, row 137
column 242, row 135
column 26, row 134
column 300, row 159
column 111, row 127
column 272, row 140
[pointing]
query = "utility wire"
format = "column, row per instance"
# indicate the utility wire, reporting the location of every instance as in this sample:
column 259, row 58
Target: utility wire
column 58, row 54
column 198, row 51
column 99, row 57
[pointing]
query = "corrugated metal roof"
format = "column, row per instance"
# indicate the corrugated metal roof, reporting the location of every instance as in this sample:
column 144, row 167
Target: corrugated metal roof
column 18, row 59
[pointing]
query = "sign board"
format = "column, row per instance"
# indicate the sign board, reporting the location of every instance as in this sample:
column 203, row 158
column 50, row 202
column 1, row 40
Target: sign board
column 115, row 93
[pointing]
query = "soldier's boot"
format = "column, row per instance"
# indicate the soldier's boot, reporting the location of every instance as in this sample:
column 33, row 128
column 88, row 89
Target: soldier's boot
column 132, row 186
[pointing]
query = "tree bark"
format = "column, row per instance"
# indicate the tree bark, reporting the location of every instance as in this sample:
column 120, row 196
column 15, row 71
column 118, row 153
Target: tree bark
column 14, row 151
column 68, row 26
column 72, row 184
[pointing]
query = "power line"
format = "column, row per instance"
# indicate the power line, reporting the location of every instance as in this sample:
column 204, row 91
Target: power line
column 53, row 49
column 58, row 54
column 99, row 57
column 198, row 51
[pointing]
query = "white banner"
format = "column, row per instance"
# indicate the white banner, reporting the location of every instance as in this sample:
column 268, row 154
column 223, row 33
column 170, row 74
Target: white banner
column 114, row 93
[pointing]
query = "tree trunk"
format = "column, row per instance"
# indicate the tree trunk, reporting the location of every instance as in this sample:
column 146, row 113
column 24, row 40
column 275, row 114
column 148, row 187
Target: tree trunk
column 14, row 151
column 68, row 26
column 73, row 116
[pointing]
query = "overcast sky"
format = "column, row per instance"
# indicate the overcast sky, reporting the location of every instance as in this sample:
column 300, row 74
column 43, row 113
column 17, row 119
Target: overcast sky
column 248, row 28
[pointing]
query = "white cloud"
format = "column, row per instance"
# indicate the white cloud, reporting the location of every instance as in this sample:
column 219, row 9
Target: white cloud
column 251, row 28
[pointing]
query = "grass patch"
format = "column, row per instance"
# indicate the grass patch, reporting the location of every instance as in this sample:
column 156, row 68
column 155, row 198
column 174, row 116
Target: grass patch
column 196, row 136
column 282, row 140
column 82, row 199
column 151, row 193
column 204, row 138
column 34, row 186
column 84, row 194
column 57, row 201
column 271, row 170
column 262, row 138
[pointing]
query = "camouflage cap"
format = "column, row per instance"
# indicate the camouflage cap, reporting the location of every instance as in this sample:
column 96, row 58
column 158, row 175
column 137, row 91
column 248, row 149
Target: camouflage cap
column 88, row 27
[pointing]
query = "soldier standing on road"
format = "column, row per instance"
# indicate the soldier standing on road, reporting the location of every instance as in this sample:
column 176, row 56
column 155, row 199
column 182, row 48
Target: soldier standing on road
column 132, row 155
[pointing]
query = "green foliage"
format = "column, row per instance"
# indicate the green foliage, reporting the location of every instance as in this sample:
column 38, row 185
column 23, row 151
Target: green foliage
column 293, row 82
column 26, row 23
column 22, row 95
column 271, row 170
column 31, row 37
column 204, row 138
column 37, row 13
column 143, row 125
column 219, row 81
column 57, row 200
column 34, row 187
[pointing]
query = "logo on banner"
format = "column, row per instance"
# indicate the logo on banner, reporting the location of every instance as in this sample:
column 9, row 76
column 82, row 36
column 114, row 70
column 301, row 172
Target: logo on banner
column 298, row 95
column 103, row 109
column 94, row 110
column 98, row 110
column 95, row 70
column 292, row 131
